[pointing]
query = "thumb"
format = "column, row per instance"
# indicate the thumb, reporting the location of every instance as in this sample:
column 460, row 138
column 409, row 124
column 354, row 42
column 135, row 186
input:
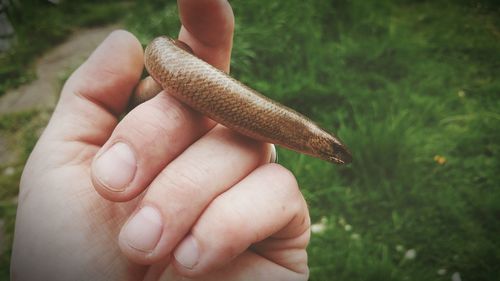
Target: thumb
column 97, row 93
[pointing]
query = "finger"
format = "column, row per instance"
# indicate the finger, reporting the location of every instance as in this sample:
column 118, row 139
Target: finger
column 267, row 204
column 207, row 27
column 98, row 91
column 180, row 193
column 207, row 32
column 142, row 144
column 247, row 266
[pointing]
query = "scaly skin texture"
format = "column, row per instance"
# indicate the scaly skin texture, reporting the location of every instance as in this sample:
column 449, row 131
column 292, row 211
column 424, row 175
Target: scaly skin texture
column 236, row 106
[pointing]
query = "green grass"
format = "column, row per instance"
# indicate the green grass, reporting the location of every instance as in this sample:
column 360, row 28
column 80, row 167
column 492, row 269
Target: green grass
column 401, row 82
column 21, row 131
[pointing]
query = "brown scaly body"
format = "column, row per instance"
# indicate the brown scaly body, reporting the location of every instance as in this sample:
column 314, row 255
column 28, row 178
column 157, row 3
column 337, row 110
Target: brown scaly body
column 236, row 106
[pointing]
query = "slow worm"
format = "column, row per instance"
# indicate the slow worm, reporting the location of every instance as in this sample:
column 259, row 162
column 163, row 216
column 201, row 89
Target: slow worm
column 231, row 103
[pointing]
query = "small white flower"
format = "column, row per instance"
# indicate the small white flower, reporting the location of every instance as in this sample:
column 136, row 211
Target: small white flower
column 348, row 227
column 320, row 226
column 461, row 93
column 355, row 236
column 456, row 277
column 342, row 221
column 9, row 171
column 441, row 271
column 400, row 248
column 410, row 254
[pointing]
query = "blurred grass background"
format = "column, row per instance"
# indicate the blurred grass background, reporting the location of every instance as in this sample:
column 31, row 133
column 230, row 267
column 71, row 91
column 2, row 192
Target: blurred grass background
column 412, row 87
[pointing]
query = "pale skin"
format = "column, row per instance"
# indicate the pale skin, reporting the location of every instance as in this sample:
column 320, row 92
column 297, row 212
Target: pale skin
column 162, row 194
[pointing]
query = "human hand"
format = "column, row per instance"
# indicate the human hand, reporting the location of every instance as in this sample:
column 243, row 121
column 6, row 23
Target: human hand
column 160, row 194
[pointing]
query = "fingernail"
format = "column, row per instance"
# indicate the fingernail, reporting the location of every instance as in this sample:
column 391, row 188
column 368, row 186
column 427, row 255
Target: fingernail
column 116, row 167
column 143, row 231
column 187, row 254
column 274, row 154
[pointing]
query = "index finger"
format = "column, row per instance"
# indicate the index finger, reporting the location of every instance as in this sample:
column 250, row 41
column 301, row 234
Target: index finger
column 140, row 126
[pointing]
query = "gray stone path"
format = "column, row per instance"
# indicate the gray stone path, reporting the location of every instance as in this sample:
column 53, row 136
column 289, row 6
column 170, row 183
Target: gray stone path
column 50, row 70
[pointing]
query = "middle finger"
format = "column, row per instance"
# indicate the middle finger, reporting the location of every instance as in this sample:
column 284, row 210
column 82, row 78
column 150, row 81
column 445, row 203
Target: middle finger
column 180, row 193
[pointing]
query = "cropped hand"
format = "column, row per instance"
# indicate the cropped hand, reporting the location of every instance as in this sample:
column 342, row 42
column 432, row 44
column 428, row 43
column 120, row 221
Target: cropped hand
column 163, row 193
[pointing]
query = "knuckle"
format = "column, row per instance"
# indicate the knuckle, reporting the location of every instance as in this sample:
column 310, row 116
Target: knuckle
column 285, row 182
column 227, row 222
column 231, row 233
column 150, row 116
column 174, row 113
column 184, row 181
column 139, row 123
column 150, row 126
column 283, row 176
